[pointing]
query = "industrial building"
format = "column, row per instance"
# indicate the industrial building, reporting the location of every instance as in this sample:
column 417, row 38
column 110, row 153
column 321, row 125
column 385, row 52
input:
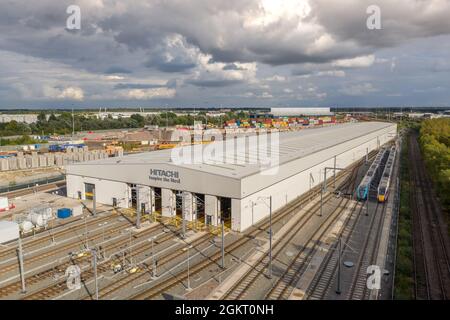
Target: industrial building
column 237, row 192
column 300, row 111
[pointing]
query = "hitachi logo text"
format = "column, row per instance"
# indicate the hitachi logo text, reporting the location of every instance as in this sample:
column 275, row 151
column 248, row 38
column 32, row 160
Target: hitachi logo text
column 164, row 173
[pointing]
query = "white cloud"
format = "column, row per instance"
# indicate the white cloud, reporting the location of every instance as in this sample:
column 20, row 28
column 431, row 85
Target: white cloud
column 276, row 78
column 147, row 94
column 358, row 89
column 358, row 62
column 114, row 78
column 331, row 73
column 68, row 93
column 265, row 95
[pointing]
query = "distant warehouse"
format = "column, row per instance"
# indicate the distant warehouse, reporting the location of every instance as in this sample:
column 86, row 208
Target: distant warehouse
column 297, row 112
column 235, row 192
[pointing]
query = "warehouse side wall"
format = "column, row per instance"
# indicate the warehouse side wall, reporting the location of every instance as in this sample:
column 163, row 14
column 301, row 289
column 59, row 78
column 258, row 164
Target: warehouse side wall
column 255, row 207
column 106, row 190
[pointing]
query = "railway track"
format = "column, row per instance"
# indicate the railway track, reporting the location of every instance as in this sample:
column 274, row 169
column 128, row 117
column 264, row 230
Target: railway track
column 103, row 266
column 14, row 287
column 430, row 240
column 63, row 249
column 367, row 255
column 323, row 280
column 148, row 269
column 61, row 231
column 284, row 285
column 181, row 276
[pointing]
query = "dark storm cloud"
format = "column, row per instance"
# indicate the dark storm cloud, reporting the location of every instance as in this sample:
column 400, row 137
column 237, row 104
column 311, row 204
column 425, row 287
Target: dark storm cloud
column 232, row 66
column 137, row 86
column 203, row 43
column 171, row 67
column 117, row 70
column 214, row 83
column 145, row 25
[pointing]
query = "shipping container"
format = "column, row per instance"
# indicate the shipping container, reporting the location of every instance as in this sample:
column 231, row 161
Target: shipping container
column 4, row 203
column 64, row 213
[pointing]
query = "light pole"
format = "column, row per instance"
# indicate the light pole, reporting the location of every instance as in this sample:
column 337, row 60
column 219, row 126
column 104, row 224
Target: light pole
column 94, row 206
column 86, row 233
column 270, row 238
column 103, row 224
column 131, row 257
column 338, row 289
column 188, row 277
column 223, row 245
column 334, row 173
column 321, row 200
column 367, row 205
column 138, row 209
column 94, row 260
column 183, row 212
column 154, row 274
column 270, row 235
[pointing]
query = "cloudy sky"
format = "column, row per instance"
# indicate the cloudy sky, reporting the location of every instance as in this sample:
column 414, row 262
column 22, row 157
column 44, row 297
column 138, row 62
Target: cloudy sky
column 224, row 53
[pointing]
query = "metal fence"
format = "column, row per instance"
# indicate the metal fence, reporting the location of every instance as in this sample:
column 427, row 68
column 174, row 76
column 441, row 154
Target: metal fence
column 32, row 184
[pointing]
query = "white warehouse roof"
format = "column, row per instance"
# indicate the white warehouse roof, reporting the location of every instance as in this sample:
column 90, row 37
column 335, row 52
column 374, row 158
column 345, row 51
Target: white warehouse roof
column 297, row 151
column 301, row 111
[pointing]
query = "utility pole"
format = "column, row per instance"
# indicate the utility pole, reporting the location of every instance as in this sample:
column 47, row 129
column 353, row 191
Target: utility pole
column 152, row 193
column 321, row 200
column 86, row 233
column 73, row 125
column 188, row 278
column 154, row 274
column 338, row 289
column 138, row 209
column 94, row 199
column 129, row 251
column 367, row 204
column 94, row 261
column 183, row 212
column 270, row 237
column 334, row 173
column 21, row 266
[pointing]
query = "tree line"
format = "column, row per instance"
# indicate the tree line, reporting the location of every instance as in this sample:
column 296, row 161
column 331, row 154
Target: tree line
column 50, row 123
column 435, row 144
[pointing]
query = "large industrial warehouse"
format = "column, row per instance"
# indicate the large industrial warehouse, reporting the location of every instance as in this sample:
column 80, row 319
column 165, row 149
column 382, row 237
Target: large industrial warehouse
column 238, row 192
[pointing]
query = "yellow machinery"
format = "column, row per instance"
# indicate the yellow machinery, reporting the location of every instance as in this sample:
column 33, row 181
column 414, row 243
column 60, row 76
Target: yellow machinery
column 113, row 149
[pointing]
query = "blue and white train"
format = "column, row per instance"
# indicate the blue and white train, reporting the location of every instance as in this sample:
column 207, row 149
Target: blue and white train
column 362, row 192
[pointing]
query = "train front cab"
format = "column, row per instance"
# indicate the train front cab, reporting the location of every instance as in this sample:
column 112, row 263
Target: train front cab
column 361, row 192
column 382, row 195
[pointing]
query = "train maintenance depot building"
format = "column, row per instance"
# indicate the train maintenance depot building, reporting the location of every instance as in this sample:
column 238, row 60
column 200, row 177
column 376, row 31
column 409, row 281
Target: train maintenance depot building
column 237, row 192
